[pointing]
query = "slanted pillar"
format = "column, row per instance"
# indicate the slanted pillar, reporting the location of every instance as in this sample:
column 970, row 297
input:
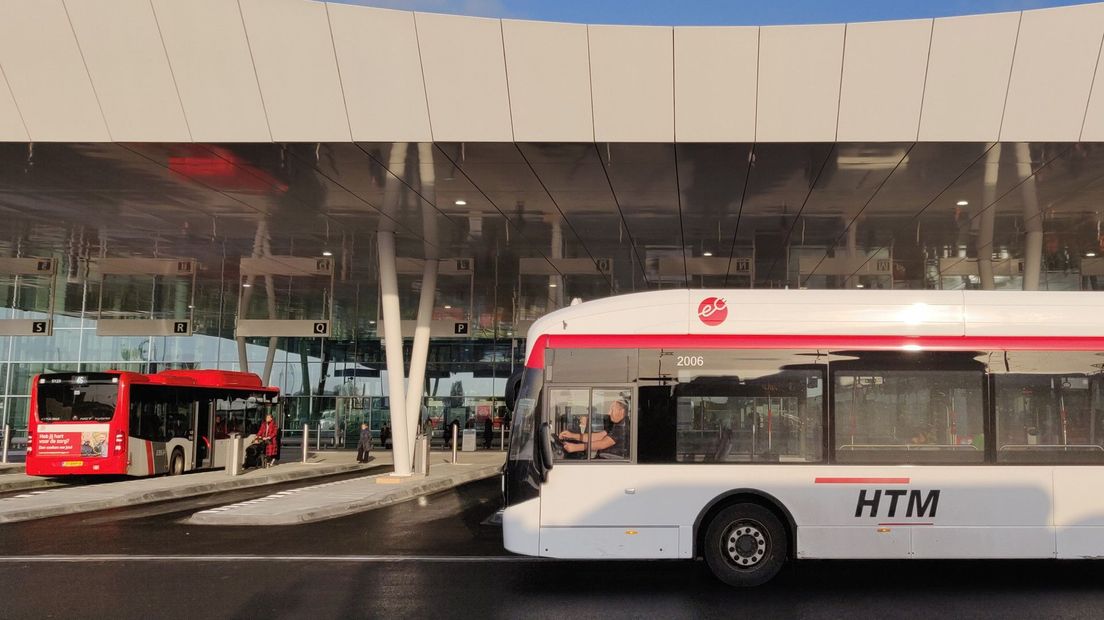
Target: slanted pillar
column 988, row 219
column 1032, row 219
column 392, row 342
column 420, row 350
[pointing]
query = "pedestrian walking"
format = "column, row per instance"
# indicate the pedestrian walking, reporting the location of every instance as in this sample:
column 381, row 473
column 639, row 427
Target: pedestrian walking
column 488, row 432
column 364, row 446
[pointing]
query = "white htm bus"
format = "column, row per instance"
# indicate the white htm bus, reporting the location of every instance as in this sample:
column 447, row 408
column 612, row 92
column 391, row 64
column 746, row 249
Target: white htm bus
column 749, row 428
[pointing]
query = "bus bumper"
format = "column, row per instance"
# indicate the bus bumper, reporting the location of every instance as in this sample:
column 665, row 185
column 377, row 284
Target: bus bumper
column 521, row 527
column 76, row 466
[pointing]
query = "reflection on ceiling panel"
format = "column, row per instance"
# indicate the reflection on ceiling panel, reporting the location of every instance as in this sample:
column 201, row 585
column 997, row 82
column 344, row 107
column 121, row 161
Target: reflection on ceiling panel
column 543, row 223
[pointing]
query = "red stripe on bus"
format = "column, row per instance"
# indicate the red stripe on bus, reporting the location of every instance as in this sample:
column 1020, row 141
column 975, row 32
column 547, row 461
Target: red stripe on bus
column 862, row 480
column 149, row 457
column 736, row 341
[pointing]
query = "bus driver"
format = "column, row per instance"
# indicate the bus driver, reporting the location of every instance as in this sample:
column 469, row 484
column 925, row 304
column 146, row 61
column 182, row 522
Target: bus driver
column 609, row 443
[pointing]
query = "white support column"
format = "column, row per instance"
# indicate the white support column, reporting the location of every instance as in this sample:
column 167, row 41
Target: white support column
column 1033, row 222
column 392, row 341
column 420, row 350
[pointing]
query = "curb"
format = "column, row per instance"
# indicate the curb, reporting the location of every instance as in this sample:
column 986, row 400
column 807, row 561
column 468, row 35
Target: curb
column 336, row 510
column 28, row 484
column 145, row 497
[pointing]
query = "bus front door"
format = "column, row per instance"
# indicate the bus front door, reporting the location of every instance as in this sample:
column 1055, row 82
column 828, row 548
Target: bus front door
column 203, row 446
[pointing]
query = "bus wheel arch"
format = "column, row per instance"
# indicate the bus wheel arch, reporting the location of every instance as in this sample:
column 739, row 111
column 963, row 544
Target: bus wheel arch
column 744, row 496
column 176, row 462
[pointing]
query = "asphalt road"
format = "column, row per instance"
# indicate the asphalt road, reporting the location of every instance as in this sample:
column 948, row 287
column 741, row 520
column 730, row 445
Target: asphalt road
column 436, row 558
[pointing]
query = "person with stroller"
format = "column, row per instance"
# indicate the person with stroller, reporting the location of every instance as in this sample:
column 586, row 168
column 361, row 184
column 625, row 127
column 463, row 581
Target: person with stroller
column 267, row 436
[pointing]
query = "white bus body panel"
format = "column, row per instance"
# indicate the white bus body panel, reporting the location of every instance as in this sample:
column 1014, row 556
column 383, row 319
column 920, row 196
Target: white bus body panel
column 521, row 527
column 822, row 312
column 1079, row 511
column 609, row 542
column 980, row 512
column 1018, row 313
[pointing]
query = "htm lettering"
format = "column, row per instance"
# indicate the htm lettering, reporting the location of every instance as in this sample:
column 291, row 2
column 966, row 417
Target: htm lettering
column 918, row 505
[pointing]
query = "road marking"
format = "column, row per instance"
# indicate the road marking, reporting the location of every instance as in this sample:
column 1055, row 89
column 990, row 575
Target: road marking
column 387, row 559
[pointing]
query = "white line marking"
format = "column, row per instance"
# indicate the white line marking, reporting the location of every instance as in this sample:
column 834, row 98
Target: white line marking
column 20, row 559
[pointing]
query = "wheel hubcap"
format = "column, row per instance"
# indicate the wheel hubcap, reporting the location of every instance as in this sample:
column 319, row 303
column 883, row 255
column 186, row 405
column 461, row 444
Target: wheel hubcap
column 745, row 543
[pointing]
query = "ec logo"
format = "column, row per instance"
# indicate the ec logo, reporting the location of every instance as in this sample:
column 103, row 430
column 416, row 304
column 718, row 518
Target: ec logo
column 713, row 311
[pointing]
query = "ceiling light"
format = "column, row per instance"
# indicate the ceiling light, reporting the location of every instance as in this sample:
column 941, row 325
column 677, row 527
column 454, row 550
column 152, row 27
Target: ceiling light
column 327, row 253
column 246, row 285
column 962, row 203
column 858, row 286
column 707, row 254
column 448, row 307
column 552, row 285
column 461, row 202
column 1090, row 254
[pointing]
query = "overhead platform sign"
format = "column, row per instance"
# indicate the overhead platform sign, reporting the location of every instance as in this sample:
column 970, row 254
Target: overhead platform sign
column 117, row 318
column 264, row 268
column 30, row 276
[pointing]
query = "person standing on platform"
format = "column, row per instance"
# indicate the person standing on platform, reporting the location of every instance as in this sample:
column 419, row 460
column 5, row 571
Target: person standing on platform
column 385, row 436
column 488, row 432
column 364, row 446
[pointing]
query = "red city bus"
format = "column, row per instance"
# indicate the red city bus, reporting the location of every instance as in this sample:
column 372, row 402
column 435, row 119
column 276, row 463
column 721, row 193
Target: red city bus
column 140, row 425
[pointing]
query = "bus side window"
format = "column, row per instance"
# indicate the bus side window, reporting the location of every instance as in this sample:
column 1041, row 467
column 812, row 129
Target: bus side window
column 909, row 408
column 1048, row 406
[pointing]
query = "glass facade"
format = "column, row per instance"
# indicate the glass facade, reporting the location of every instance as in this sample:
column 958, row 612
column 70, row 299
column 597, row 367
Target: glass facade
column 329, row 383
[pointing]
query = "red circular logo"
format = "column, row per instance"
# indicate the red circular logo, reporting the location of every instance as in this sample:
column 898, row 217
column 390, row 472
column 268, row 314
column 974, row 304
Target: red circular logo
column 713, row 311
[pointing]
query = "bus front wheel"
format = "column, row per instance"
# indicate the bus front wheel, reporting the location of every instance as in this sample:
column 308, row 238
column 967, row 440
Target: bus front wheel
column 745, row 545
column 176, row 464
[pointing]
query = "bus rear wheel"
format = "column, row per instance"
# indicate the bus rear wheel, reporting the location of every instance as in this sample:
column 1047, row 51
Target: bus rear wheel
column 176, row 463
column 745, row 545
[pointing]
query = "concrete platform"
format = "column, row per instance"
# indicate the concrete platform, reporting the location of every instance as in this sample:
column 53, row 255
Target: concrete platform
column 338, row 499
column 63, row 500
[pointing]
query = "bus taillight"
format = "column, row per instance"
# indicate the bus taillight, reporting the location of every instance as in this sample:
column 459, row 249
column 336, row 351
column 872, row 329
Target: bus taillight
column 120, row 437
column 30, row 440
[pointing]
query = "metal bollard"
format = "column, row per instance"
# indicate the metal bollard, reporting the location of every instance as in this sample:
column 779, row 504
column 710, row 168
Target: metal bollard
column 318, row 439
column 421, row 455
column 306, row 441
column 501, row 436
column 454, row 433
column 7, row 432
column 234, row 464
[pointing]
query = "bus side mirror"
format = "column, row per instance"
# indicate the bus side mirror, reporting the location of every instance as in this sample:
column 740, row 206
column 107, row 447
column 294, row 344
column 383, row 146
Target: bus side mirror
column 545, row 448
column 513, row 389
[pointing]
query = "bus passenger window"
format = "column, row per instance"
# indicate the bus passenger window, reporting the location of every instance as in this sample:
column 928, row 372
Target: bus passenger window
column 909, row 408
column 1049, row 407
column 762, row 406
column 591, row 424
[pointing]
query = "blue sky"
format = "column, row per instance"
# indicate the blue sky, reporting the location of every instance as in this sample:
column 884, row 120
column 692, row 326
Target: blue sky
column 713, row 12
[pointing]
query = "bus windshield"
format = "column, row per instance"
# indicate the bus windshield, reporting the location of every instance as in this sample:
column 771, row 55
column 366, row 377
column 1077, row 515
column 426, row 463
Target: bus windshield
column 69, row 402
